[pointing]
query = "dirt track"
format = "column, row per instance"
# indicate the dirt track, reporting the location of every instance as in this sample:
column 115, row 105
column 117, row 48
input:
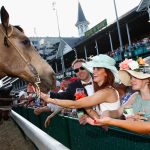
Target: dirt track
column 12, row 138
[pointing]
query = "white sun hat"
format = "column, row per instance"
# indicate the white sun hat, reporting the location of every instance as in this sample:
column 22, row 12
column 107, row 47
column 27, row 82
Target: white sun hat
column 103, row 61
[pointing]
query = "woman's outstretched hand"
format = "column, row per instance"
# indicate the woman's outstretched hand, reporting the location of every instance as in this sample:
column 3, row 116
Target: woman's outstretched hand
column 140, row 116
column 99, row 122
column 45, row 97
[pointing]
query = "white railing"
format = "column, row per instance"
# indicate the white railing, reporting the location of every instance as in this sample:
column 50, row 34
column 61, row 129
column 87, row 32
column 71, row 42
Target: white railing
column 42, row 140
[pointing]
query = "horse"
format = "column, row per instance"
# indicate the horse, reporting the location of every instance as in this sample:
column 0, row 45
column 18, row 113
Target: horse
column 19, row 58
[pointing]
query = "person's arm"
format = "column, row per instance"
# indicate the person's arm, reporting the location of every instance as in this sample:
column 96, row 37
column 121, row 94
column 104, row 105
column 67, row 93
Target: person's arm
column 98, row 98
column 39, row 110
column 135, row 126
column 92, row 113
column 119, row 112
column 48, row 119
column 113, row 113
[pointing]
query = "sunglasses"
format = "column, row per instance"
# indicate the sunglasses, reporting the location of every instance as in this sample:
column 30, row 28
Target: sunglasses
column 77, row 69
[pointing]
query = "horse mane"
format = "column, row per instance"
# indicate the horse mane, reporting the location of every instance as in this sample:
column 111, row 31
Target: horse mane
column 19, row 28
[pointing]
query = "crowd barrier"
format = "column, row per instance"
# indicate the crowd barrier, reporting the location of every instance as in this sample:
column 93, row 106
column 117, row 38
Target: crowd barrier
column 70, row 133
column 42, row 140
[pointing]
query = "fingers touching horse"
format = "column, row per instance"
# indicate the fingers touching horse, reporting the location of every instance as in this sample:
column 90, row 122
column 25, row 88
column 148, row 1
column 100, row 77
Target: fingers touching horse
column 18, row 57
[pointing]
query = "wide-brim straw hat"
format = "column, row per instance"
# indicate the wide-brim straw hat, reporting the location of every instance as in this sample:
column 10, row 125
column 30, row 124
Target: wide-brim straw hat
column 125, row 76
column 103, row 61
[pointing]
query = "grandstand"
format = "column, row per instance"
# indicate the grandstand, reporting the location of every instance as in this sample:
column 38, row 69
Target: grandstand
column 134, row 27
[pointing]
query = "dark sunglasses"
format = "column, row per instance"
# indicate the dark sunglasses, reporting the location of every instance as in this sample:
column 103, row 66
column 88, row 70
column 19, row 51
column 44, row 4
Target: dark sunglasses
column 77, row 69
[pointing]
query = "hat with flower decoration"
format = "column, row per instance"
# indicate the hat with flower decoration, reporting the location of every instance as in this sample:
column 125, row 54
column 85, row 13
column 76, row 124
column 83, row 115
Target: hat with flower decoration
column 138, row 69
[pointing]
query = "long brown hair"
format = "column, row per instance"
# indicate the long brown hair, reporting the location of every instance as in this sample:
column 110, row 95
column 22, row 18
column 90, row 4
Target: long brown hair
column 109, row 81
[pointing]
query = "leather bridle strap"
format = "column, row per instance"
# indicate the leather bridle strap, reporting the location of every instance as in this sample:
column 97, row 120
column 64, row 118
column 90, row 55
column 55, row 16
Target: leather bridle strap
column 32, row 69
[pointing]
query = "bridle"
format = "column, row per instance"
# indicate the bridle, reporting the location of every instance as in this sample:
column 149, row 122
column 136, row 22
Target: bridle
column 30, row 66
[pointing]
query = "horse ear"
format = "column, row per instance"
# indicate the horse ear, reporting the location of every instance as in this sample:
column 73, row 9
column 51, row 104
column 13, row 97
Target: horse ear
column 4, row 17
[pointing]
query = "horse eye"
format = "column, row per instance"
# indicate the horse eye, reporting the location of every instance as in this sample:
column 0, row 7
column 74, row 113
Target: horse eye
column 26, row 42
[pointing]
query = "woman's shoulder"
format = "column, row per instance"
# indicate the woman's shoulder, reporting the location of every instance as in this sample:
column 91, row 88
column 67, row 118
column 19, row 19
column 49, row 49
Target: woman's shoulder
column 132, row 98
column 134, row 95
column 110, row 89
column 107, row 91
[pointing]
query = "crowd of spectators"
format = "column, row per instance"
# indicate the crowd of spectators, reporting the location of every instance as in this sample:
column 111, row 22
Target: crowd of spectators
column 104, row 93
column 130, row 49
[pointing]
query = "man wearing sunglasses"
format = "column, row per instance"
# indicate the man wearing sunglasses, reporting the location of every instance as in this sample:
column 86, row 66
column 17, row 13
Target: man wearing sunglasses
column 84, row 81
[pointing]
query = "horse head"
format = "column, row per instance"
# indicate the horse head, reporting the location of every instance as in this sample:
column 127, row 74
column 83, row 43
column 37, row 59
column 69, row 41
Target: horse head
column 19, row 58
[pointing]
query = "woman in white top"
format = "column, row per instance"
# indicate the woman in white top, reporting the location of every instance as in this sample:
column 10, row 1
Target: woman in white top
column 105, row 96
column 137, row 75
column 107, row 105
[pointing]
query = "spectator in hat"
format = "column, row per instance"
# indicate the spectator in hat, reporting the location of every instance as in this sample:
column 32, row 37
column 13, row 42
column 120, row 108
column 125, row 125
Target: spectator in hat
column 105, row 97
column 137, row 75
